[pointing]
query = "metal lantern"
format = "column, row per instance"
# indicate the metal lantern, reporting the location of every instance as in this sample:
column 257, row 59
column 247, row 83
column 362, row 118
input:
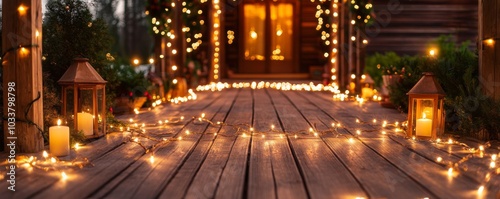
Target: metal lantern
column 425, row 108
column 84, row 98
column 367, row 85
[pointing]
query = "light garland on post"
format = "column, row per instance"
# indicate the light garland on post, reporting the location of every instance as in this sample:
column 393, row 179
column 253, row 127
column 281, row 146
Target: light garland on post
column 216, row 40
column 334, row 42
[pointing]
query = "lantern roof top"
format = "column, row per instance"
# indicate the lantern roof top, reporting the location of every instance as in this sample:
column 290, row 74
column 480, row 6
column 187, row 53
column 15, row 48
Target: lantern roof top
column 368, row 79
column 81, row 72
column 427, row 85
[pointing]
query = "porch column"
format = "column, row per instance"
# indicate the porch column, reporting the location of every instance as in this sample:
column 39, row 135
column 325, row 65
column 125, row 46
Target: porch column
column 489, row 47
column 216, row 52
column 22, row 74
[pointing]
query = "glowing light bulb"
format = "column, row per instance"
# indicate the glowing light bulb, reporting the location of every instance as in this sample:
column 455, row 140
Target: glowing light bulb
column 481, row 148
column 383, row 132
column 77, row 146
column 187, row 132
column 351, row 140
column 492, row 164
column 450, row 141
column 358, row 132
column 439, row 159
column 53, row 160
column 450, row 172
column 152, row 159
column 480, row 189
column 64, row 177
column 45, row 154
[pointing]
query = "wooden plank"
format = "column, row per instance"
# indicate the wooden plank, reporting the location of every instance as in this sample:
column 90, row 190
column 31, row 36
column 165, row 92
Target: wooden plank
column 177, row 187
column 324, row 174
column 209, row 178
column 232, row 181
column 428, row 174
column 272, row 170
column 154, row 177
column 93, row 151
column 87, row 180
column 365, row 164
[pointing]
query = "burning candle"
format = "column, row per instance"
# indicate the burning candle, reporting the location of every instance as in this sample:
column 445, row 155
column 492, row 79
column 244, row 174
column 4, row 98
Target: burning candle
column 424, row 126
column 85, row 123
column 59, row 140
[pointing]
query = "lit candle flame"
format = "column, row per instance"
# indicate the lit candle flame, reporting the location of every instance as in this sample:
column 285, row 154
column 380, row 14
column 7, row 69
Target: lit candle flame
column 58, row 122
column 423, row 116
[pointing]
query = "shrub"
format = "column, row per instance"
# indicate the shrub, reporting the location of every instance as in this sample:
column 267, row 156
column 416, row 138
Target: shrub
column 469, row 112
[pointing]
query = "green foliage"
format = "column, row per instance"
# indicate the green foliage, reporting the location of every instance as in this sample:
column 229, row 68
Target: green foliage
column 381, row 64
column 469, row 112
column 69, row 32
column 132, row 84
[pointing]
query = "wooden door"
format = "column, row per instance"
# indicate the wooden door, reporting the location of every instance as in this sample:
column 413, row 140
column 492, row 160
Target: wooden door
column 267, row 37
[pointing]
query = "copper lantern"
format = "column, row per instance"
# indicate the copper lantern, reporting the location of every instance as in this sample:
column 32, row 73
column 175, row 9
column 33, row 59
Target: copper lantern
column 84, row 98
column 425, row 108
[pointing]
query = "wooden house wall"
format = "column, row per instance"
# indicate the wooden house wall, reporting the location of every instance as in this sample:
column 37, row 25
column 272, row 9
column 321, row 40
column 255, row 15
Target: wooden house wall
column 402, row 26
column 409, row 28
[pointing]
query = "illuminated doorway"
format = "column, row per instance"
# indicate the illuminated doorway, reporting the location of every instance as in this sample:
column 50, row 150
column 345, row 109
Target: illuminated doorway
column 268, row 37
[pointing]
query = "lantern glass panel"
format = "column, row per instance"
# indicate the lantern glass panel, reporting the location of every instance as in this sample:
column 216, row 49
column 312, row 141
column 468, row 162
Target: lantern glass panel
column 423, row 114
column 85, row 101
column 69, row 105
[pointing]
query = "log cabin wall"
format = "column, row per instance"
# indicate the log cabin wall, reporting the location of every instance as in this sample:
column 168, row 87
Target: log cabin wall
column 407, row 26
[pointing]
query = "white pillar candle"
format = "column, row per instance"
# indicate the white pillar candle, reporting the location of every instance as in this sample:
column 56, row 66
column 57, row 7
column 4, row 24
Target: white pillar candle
column 59, row 140
column 424, row 126
column 85, row 123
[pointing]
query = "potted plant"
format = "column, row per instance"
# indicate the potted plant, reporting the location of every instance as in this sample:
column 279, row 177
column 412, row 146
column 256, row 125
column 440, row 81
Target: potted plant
column 133, row 90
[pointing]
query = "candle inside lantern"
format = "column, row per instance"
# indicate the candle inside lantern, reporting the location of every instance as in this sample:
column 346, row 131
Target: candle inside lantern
column 85, row 123
column 424, row 126
column 59, row 140
column 366, row 93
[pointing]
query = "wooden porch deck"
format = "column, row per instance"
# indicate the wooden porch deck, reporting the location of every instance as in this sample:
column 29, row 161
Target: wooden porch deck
column 214, row 161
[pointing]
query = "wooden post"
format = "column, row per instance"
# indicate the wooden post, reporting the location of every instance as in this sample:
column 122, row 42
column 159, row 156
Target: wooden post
column 489, row 47
column 22, row 66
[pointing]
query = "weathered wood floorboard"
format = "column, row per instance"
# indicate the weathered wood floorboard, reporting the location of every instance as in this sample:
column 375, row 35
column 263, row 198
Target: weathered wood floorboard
column 273, row 172
column 289, row 161
column 148, row 179
column 208, row 179
column 428, row 172
column 325, row 175
column 365, row 164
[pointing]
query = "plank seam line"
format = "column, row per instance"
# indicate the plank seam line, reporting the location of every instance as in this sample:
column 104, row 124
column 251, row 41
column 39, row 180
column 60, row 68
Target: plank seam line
column 390, row 162
column 292, row 150
column 140, row 164
column 338, row 158
column 212, row 142
column 191, row 150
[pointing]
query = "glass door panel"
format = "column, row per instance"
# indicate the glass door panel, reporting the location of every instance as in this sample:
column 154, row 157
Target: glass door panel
column 282, row 31
column 254, row 31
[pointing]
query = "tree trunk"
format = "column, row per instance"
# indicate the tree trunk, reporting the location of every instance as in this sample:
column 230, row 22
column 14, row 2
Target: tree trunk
column 22, row 66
